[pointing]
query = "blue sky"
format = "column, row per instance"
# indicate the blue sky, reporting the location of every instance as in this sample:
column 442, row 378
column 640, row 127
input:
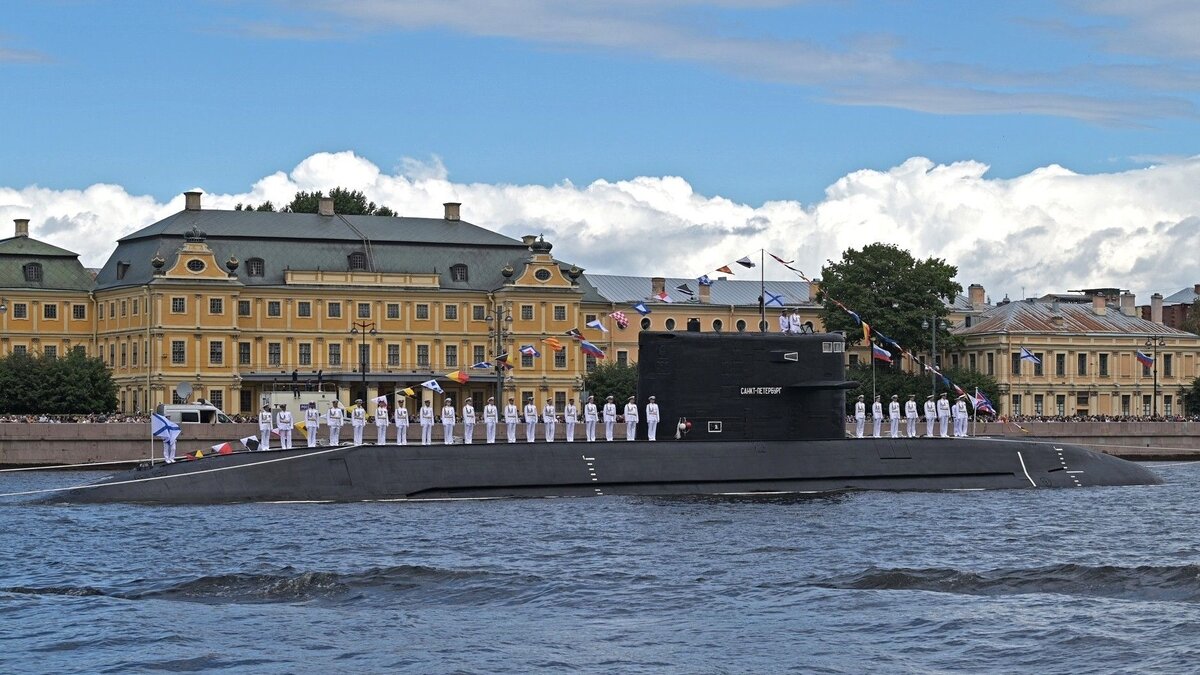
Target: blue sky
column 751, row 101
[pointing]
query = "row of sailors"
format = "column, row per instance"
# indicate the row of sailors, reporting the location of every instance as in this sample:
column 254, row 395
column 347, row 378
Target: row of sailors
column 335, row 419
column 941, row 412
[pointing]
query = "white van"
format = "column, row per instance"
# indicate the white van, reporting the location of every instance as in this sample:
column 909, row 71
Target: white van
column 193, row 413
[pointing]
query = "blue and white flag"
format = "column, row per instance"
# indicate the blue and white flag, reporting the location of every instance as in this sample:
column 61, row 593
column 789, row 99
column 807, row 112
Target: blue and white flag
column 704, row 281
column 161, row 427
column 641, row 308
column 529, row 350
column 432, row 385
column 598, row 325
column 483, row 365
column 1027, row 355
column 772, row 299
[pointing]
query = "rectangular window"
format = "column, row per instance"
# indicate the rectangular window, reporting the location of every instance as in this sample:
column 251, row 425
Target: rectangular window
column 451, row 356
column 1016, row 404
column 135, row 306
column 112, row 309
column 1167, row 365
column 50, row 311
column 217, row 398
column 1145, row 406
column 20, row 310
column 243, row 308
column 1167, row 406
column 51, row 352
column 1038, row 370
column 1145, row 370
column 1060, row 365
column 1125, row 405
column 215, row 306
column 133, row 354
column 422, row 311
column 971, row 362
column 478, row 313
column 124, row 354
column 178, row 305
column 124, row 308
column 1081, row 364
column 478, row 354
column 364, row 310
column 393, row 355
column 526, row 361
column 560, row 358
column 589, row 362
column 178, row 352
column 79, row 312
column 560, row 312
column 1016, row 363
column 1104, row 365
column 246, row 400
column 451, row 312
column 274, row 354
column 560, row 400
column 954, row 361
column 588, row 318
column 19, row 349
column 1081, row 400
column 622, row 357
column 393, row 310
column 423, row 356
column 335, row 354
column 527, row 312
column 100, row 310
column 1039, row 404
column 216, row 352
column 1060, row 405
column 304, row 309
column 244, row 353
column 364, row 358
column 333, row 310
column 305, row 353
column 274, row 309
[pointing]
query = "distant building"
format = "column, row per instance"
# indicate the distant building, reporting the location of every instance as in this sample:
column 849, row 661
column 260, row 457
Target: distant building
column 1172, row 310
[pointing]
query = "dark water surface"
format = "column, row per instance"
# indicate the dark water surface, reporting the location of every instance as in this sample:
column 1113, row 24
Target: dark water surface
column 1069, row 581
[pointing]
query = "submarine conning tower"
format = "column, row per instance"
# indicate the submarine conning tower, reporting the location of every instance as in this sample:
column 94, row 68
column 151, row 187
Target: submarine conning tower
column 745, row 386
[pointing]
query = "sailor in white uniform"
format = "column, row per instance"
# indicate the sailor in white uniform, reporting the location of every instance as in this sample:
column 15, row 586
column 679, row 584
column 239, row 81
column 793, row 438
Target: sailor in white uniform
column 930, row 415
column 448, row 421
column 358, row 420
column 961, row 417
column 631, row 419
column 531, row 418
column 591, row 415
column 910, row 415
column 490, row 416
column 511, row 417
column 610, row 418
column 651, row 418
column 336, row 417
column 785, row 322
column 860, row 417
column 549, row 418
column 425, row 417
column 382, row 422
column 943, row 413
column 794, row 319
column 876, row 417
column 264, row 428
column 284, row 419
column 401, row 421
column 468, row 422
column 312, row 423
column 570, row 415
column 894, row 417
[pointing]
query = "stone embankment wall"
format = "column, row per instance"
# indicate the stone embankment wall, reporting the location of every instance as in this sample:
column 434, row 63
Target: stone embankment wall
column 56, row 444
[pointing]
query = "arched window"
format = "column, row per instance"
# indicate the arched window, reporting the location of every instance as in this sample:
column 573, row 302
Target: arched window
column 255, row 267
column 458, row 272
column 718, row 325
column 741, row 325
column 670, row 324
column 358, row 261
column 645, row 323
column 33, row 272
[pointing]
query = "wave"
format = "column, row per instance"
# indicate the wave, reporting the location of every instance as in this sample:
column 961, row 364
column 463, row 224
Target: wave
column 1177, row 583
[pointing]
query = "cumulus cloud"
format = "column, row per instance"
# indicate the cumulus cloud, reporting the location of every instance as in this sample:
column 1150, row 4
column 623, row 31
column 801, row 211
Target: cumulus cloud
column 1049, row 230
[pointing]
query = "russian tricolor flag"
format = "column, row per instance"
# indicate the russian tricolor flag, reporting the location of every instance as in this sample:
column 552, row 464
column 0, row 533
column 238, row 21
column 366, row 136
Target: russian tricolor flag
column 881, row 354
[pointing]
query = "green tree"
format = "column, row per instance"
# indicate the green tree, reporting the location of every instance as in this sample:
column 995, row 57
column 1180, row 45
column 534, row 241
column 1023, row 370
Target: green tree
column 1191, row 397
column 345, row 202
column 612, row 379
column 891, row 291
column 74, row 384
column 265, row 206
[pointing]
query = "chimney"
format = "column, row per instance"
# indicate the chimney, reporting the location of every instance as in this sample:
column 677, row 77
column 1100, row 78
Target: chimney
column 658, row 285
column 22, row 227
column 1156, row 308
column 975, row 295
column 1128, row 304
column 452, row 210
column 1099, row 306
column 814, row 289
column 191, row 200
column 325, row 206
column 1196, row 289
column 705, row 294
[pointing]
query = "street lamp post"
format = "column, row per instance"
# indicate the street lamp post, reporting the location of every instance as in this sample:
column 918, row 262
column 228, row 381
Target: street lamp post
column 1155, row 343
column 933, row 323
column 362, row 328
column 499, row 332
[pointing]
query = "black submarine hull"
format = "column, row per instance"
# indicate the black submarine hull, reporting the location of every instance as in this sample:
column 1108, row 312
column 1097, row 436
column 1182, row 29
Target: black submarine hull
column 561, row 469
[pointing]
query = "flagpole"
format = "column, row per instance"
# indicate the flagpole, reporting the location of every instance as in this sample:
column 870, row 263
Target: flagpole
column 872, row 348
column 762, row 290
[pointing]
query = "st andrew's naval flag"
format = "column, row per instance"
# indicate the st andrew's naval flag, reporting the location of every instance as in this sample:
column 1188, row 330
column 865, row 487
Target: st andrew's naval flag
column 1027, row 355
column 161, row 427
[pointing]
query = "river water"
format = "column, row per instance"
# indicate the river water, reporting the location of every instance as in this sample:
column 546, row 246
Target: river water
column 1049, row 581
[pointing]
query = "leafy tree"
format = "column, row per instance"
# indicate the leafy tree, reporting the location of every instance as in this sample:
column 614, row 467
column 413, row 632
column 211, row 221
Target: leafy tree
column 1192, row 323
column 1191, row 397
column 75, row 383
column 891, row 291
column 345, row 202
column 265, row 206
column 612, row 379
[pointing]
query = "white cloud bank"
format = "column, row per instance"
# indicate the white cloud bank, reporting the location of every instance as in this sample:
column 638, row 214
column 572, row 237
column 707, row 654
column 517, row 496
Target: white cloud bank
column 1048, row 230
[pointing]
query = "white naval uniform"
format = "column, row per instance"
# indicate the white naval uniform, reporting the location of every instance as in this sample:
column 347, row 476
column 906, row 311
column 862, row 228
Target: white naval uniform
column 943, row 412
column 860, row 418
column 963, row 417
column 511, row 417
column 468, row 422
column 264, row 430
column 549, row 418
column 426, row 420
column 401, row 423
column 894, row 419
column 651, row 420
column 610, row 419
column 876, row 418
column 448, row 420
column 930, row 417
column 631, row 420
column 169, row 449
column 785, row 323
column 284, row 419
column 358, row 422
column 570, row 413
column 910, row 418
column 312, row 423
column 591, row 415
column 336, row 417
column 531, row 417
column 381, row 424
column 796, row 324
column 490, row 417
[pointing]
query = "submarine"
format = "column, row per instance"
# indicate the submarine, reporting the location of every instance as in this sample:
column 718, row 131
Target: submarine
column 741, row 413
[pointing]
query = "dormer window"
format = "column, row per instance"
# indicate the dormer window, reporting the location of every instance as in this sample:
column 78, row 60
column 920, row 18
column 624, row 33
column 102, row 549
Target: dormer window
column 255, row 267
column 458, row 272
column 122, row 268
column 358, row 261
column 33, row 272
